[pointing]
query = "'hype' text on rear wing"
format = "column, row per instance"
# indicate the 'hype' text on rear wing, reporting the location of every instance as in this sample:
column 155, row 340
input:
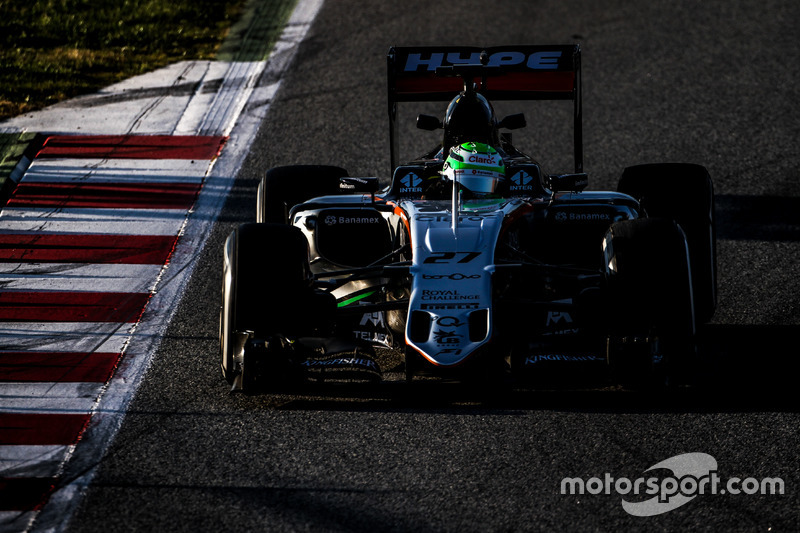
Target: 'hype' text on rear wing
column 526, row 72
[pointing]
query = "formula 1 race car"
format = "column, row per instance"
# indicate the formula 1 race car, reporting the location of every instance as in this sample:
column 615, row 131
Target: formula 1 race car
column 473, row 263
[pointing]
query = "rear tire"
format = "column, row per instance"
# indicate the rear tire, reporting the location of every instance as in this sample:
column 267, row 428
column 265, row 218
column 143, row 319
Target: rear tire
column 284, row 187
column 652, row 319
column 685, row 193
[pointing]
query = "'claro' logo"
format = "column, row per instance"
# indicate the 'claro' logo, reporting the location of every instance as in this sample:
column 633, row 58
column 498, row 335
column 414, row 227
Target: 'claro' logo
column 487, row 160
column 546, row 60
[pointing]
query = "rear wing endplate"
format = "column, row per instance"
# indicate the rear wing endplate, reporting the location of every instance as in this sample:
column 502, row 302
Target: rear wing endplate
column 527, row 72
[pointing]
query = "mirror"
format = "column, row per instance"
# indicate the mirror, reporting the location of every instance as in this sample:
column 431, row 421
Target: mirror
column 568, row 182
column 350, row 184
column 428, row 122
column 513, row 122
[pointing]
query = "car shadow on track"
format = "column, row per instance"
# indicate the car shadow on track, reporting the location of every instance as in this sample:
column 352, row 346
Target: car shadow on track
column 762, row 218
column 744, row 369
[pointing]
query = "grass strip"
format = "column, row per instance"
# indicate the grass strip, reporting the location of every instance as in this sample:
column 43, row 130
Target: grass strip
column 51, row 50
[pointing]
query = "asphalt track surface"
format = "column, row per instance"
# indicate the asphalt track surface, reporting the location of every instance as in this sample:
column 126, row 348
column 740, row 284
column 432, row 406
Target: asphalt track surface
column 705, row 82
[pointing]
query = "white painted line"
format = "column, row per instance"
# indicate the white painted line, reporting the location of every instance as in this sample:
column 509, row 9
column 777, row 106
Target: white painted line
column 238, row 84
column 78, row 277
column 194, row 113
column 161, row 115
column 81, row 220
column 32, row 461
column 117, row 171
column 64, row 336
column 59, row 398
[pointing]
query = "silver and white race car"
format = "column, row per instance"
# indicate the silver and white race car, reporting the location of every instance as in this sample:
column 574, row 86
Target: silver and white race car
column 473, row 263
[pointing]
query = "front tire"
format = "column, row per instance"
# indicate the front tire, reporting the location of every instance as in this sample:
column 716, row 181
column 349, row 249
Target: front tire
column 266, row 291
column 652, row 321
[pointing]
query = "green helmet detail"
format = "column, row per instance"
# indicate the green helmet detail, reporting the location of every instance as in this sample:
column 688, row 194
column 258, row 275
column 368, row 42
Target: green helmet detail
column 476, row 166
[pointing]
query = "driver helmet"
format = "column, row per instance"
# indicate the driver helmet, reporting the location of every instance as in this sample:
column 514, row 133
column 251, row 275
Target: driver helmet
column 476, row 166
column 469, row 117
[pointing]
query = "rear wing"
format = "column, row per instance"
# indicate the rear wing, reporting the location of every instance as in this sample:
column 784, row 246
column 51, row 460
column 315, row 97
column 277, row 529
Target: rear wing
column 526, row 72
